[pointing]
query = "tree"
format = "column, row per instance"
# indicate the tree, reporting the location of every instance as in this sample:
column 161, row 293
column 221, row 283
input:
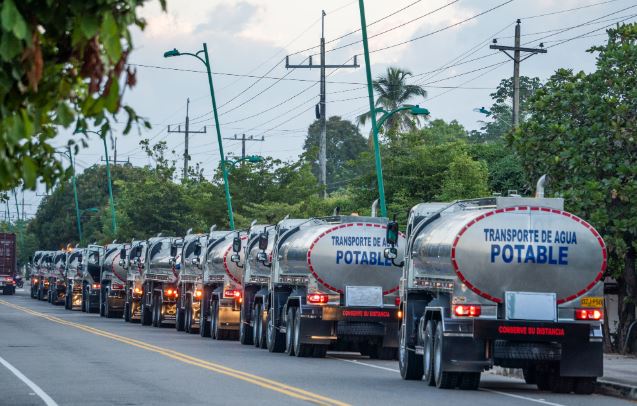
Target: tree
column 393, row 92
column 62, row 63
column 465, row 179
column 344, row 144
column 581, row 132
column 502, row 110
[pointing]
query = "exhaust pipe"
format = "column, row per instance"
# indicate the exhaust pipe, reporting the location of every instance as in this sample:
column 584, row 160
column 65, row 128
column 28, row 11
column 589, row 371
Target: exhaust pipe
column 374, row 208
column 539, row 188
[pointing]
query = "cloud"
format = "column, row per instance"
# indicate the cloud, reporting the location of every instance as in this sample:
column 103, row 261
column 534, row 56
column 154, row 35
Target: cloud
column 228, row 18
column 166, row 26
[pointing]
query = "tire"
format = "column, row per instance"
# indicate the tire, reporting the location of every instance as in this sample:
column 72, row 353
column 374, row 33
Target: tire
column 102, row 304
column 180, row 324
column 246, row 336
column 275, row 340
column 68, row 299
column 301, row 350
column 146, row 315
column 320, row 351
column 257, row 328
column 444, row 380
column 469, row 380
column 290, row 331
column 188, row 318
column 585, row 386
column 110, row 313
column 215, row 332
column 530, row 375
column 204, row 326
column 561, row 384
column 409, row 363
column 542, row 380
column 428, row 351
column 127, row 312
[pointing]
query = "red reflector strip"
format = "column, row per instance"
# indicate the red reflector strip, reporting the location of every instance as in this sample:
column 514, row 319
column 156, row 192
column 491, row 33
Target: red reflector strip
column 467, row 310
column 588, row 314
column 318, row 298
column 232, row 293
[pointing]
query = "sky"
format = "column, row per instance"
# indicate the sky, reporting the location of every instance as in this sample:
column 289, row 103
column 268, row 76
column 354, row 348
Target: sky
column 444, row 43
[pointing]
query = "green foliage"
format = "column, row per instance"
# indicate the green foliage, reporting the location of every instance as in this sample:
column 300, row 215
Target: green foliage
column 344, row 144
column 392, row 92
column 582, row 134
column 465, row 179
column 61, row 63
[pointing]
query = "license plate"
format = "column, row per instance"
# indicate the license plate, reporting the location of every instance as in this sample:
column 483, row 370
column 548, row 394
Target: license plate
column 593, row 301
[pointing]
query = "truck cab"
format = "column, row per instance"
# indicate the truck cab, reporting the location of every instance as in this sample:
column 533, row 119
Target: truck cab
column 189, row 276
column 134, row 263
column 113, row 280
column 44, row 269
column 73, row 278
column 57, row 277
column 89, row 287
column 34, row 274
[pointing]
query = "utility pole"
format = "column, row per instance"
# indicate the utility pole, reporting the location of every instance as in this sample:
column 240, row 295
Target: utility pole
column 322, row 114
column 114, row 161
column 186, row 132
column 517, row 49
column 115, row 151
column 243, row 140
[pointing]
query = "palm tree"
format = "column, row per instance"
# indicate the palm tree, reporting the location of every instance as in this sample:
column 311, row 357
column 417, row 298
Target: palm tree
column 393, row 92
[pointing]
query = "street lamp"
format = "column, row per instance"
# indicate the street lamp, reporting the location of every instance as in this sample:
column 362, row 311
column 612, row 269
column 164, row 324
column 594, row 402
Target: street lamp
column 108, row 175
column 250, row 158
column 414, row 110
column 206, row 61
column 69, row 154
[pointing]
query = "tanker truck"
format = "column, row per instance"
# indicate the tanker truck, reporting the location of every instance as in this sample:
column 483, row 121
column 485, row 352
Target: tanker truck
column 34, row 272
column 506, row 281
column 72, row 295
column 44, row 269
column 189, row 275
column 57, row 278
column 256, row 275
column 113, row 281
column 8, row 263
column 159, row 281
column 221, row 285
column 331, row 288
column 134, row 263
column 88, row 287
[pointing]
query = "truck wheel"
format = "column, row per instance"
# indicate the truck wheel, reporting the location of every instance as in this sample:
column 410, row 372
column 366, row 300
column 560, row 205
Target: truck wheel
column 67, row 301
column 204, row 326
column 584, row 386
column 444, row 380
column 188, row 319
column 320, row 351
column 428, row 351
column 290, row 332
column 274, row 339
column 561, row 384
column 245, row 330
column 409, row 363
column 146, row 315
column 179, row 319
column 127, row 312
column 469, row 380
column 102, row 305
column 300, row 349
column 257, row 328
column 213, row 320
column 530, row 375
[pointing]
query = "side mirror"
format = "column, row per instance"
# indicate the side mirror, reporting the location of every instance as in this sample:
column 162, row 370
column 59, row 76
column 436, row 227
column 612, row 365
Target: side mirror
column 173, row 250
column 262, row 257
column 122, row 254
column 79, row 259
column 392, row 232
column 263, row 241
column 235, row 258
column 197, row 251
column 391, row 253
column 236, row 244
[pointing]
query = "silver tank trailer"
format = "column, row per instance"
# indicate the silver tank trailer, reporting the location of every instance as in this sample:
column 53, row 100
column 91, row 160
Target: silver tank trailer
column 57, row 277
column 256, row 271
column 73, row 278
column 158, row 264
column 134, row 265
column 191, row 269
column 219, row 265
column 507, row 281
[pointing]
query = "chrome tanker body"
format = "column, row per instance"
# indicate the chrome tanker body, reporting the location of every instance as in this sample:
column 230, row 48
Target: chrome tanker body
column 89, row 289
column 72, row 278
column 34, row 272
column 189, row 275
column 331, row 287
column 505, row 281
column 134, row 263
column 256, row 276
column 113, row 280
column 159, row 281
column 57, row 278
column 44, row 269
column 221, row 285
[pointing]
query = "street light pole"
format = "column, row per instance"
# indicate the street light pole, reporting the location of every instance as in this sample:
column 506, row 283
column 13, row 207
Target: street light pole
column 77, row 205
column 370, row 91
column 206, row 61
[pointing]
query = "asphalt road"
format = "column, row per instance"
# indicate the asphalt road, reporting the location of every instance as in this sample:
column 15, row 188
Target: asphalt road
column 51, row 356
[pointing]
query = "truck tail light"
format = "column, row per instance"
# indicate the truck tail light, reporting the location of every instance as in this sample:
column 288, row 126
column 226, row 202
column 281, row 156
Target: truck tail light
column 232, row 293
column 35, row 280
column 8, row 278
column 95, row 286
column 588, row 314
column 467, row 310
column 318, row 298
column 198, row 294
column 171, row 292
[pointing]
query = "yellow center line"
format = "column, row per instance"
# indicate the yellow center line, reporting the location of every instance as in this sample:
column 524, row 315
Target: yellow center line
column 276, row 386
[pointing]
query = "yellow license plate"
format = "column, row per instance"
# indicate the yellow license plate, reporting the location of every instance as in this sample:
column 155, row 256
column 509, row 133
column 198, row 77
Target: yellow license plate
column 592, row 301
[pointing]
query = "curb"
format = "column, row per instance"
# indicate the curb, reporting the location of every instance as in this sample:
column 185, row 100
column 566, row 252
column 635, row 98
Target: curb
column 616, row 389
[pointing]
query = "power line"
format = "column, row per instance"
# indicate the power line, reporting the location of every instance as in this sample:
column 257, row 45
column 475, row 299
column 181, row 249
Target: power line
column 567, row 10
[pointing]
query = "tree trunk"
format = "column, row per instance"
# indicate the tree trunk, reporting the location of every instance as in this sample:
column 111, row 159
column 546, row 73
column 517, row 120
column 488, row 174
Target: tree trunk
column 627, row 300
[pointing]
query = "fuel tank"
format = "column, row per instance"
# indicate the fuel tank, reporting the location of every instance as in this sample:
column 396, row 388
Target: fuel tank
column 218, row 264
